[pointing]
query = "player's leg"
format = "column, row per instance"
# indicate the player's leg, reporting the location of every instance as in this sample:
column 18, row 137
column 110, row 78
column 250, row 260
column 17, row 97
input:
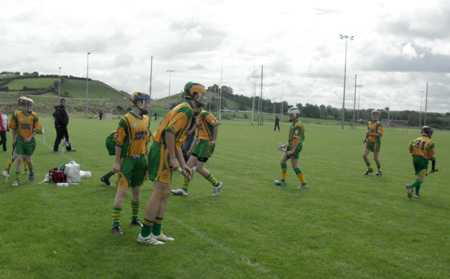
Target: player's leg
column 27, row 160
column 366, row 159
column 161, row 175
column 139, row 175
column 118, row 203
column 283, row 161
column 295, row 166
column 217, row 185
column 377, row 161
column 184, row 190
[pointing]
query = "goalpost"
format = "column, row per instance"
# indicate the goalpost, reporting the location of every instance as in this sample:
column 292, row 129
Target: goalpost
column 400, row 125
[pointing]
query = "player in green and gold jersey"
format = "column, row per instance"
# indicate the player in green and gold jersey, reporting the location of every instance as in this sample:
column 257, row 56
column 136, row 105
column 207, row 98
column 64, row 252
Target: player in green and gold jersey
column 292, row 149
column 131, row 138
column 165, row 157
column 201, row 150
column 25, row 125
column 422, row 150
column 373, row 143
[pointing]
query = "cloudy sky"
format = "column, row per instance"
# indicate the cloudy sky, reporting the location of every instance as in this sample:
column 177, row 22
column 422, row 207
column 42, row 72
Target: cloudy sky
column 398, row 47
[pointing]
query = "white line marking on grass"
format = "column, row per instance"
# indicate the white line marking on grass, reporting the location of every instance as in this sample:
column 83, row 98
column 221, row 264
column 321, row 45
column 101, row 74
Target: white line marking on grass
column 51, row 148
column 229, row 251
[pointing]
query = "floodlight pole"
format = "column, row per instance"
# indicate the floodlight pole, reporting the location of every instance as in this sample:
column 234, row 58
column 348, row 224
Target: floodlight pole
column 255, row 78
column 420, row 110
column 59, row 86
column 345, row 76
column 359, row 100
column 426, row 107
column 354, row 102
column 87, row 85
column 170, row 78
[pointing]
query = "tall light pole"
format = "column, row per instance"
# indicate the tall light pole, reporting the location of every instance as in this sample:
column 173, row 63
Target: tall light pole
column 426, row 107
column 255, row 78
column 420, row 110
column 170, row 77
column 359, row 100
column 59, row 86
column 354, row 103
column 345, row 76
column 87, row 85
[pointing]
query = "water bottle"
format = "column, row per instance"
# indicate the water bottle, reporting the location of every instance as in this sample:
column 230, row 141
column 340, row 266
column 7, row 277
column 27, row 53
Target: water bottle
column 62, row 184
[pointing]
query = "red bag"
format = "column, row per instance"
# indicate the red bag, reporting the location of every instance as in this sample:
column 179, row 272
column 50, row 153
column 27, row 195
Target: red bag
column 57, row 176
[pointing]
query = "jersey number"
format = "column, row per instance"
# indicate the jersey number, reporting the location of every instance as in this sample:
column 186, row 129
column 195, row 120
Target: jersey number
column 419, row 144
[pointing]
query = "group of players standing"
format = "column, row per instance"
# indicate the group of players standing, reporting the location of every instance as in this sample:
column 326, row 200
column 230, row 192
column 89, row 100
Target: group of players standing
column 135, row 161
column 422, row 150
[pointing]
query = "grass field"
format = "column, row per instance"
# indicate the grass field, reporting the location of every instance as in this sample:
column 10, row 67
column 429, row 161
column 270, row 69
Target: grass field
column 346, row 225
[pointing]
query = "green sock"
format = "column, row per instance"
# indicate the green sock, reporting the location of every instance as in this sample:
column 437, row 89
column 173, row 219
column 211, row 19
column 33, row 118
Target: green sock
column 185, row 185
column 157, row 226
column 17, row 174
column 147, row 228
column 212, row 180
column 116, row 215
column 108, row 175
column 134, row 210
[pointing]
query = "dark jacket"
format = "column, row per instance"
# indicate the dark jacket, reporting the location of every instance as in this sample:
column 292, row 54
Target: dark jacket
column 61, row 117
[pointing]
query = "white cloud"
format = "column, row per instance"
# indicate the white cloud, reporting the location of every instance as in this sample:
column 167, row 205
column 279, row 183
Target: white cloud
column 398, row 46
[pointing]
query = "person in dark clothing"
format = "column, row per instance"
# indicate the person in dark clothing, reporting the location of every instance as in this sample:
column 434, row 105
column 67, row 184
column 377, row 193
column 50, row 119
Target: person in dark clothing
column 277, row 124
column 61, row 122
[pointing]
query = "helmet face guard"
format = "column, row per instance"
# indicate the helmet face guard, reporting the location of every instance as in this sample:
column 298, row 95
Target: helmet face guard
column 142, row 97
column 26, row 104
column 427, row 131
column 295, row 111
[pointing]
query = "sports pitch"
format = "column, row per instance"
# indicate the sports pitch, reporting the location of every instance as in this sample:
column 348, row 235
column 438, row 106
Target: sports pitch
column 346, row 225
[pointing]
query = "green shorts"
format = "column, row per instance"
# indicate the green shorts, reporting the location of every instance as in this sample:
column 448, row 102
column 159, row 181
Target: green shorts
column 133, row 171
column 297, row 151
column 374, row 146
column 420, row 163
column 158, row 163
column 110, row 145
column 203, row 151
column 23, row 148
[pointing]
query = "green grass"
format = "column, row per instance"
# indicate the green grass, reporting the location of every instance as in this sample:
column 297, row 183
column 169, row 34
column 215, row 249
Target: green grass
column 346, row 225
column 18, row 84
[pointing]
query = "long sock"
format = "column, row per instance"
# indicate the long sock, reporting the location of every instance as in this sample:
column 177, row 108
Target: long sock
column 147, row 228
column 185, row 186
column 31, row 171
column 379, row 168
column 9, row 163
column 300, row 176
column 108, row 175
column 368, row 165
column 418, row 189
column 25, row 166
column 134, row 210
column 17, row 174
column 157, row 226
column 116, row 215
column 212, row 180
column 415, row 184
column 283, row 172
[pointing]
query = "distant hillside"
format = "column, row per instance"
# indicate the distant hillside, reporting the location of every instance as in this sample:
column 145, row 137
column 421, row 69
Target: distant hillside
column 74, row 87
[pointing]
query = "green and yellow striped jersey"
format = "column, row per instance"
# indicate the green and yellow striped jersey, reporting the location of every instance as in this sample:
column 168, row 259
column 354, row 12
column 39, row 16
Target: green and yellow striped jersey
column 205, row 125
column 25, row 124
column 296, row 131
column 177, row 121
column 133, row 134
column 423, row 147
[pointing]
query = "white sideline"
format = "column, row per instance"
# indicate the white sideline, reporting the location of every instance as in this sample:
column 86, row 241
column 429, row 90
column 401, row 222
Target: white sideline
column 229, row 251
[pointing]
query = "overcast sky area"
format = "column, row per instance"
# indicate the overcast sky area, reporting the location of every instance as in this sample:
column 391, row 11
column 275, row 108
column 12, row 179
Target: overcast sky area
column 398, row 47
